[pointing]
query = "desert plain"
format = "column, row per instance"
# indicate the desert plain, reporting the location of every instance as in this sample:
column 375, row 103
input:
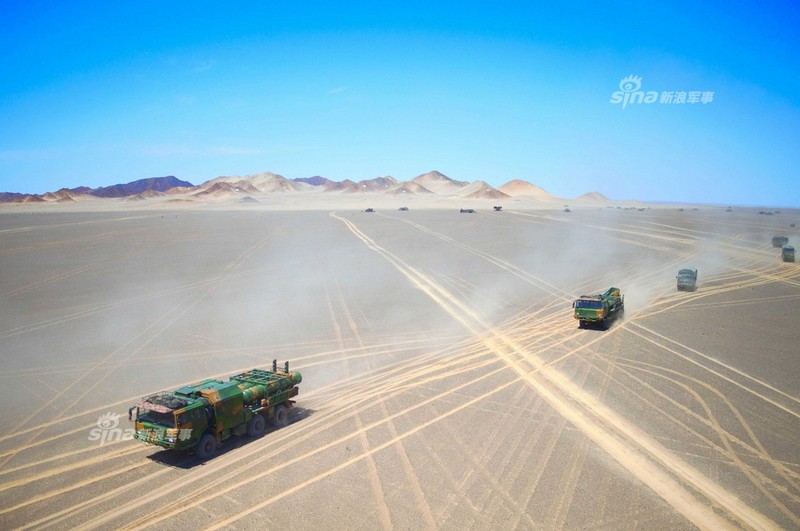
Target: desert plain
column 446, row 384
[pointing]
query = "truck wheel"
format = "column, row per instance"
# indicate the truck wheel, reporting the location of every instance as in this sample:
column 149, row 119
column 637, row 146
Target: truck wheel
column 206, row 447
column 280, row 416
column 256, row 426
column 605, row 324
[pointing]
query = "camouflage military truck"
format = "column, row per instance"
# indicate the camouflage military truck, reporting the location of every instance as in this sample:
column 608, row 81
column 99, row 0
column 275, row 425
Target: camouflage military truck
column 787, row 253
column 599, row 309
column 779, row 241
column 687, row 279
column 198, row 417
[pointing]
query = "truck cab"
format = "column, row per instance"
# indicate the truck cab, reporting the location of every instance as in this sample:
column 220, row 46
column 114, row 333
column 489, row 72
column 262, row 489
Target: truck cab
column 169, row 420
column 787, row 253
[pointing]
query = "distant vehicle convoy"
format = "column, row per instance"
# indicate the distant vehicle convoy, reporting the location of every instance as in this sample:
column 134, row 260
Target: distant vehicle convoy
column 787, row 253
column 198, row 417
column 599, row 309
column 687, row 280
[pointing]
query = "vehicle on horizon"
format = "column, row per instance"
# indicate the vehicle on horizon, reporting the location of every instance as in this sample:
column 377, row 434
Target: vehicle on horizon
column 599, row 309
column 779, row 241
column 467, row 211
column 370, row 210
column 497, row 208
column 787, row 253
column 687, row 280
column 403, row 209
column 199, row 417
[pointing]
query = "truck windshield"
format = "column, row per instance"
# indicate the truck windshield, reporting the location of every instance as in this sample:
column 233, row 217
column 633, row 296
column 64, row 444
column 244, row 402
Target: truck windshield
column 589, row 304
column 157, row 417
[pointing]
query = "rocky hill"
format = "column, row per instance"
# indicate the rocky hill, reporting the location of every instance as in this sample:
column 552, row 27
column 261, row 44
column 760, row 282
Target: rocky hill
column 158, row 184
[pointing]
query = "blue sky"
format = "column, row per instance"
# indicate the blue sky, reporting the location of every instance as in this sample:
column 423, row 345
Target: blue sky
column 99, row 93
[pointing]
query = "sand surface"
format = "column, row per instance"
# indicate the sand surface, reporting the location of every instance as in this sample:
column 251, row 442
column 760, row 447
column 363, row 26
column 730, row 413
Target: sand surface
column 445, row 382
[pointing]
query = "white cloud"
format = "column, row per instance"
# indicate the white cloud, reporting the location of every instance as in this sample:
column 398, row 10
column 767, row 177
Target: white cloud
column 203, row 66
column 337, row 90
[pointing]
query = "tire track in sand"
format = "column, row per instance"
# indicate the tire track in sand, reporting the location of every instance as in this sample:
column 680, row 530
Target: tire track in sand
column 408, row 469
column 384, row 515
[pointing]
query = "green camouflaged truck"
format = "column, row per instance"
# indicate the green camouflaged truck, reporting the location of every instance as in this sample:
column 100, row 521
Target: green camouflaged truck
column 198, row 417
column 687, row 280
column 599, row 310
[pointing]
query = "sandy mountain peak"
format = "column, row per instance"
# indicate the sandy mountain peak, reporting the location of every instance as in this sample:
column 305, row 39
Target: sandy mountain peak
column 481, row 190
column 521, row 188
column 596, row 197
column 439, row 183
column 261, row 182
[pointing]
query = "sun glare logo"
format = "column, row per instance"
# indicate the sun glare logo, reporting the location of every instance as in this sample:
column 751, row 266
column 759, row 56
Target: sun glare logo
column 630, row 94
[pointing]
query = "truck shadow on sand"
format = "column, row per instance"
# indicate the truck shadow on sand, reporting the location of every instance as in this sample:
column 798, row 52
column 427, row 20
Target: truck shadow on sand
column 185, row 460
column 600, row 327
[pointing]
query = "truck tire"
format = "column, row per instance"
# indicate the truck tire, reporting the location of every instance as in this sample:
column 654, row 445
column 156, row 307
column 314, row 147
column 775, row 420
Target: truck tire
column 280, row 416
column 206, row 447
column 604, row 324
column 256, row 426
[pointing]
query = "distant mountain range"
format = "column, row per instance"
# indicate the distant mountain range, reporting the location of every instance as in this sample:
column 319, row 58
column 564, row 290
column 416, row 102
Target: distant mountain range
column 431, row 183
column 140, row 187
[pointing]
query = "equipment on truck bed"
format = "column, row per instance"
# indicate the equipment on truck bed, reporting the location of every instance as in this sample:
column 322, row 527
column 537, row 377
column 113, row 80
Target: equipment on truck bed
column 200, row 416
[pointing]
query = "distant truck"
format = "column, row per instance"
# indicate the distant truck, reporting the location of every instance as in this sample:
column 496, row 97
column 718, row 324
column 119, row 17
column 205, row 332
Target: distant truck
column 599, row 309
column 779, row 241
column 198, row 417
column 787, row 253
column 687, row 279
